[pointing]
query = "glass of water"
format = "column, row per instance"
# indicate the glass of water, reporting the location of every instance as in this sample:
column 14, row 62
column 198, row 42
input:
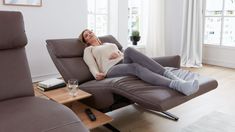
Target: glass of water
column 73, row 87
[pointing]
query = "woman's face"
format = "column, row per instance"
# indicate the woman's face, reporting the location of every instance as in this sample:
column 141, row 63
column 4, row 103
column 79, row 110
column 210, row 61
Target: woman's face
column 90, row 38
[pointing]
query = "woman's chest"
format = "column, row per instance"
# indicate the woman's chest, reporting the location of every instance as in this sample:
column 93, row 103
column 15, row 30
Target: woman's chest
column 104, row 50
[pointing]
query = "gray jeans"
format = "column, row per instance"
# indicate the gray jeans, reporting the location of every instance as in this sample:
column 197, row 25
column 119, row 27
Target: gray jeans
column 138, row 64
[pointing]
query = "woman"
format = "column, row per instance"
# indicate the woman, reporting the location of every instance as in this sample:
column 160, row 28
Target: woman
column 105, row 60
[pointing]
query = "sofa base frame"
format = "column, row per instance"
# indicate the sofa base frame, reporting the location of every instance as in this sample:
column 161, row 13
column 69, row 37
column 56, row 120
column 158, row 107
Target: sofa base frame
column 110, row 127
column 170, row 116
column 164, row 114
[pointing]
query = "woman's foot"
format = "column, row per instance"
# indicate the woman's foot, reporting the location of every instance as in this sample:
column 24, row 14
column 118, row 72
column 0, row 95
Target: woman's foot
column 171, row 75
column 185, row 87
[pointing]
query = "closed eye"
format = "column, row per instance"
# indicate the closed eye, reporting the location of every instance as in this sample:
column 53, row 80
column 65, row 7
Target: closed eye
column 85, row 35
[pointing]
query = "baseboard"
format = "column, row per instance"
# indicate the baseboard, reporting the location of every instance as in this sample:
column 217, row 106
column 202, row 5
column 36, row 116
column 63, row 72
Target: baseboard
column 38, row 78
column 228, row 64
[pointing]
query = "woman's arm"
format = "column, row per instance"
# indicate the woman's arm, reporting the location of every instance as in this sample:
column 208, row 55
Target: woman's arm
column 115, row 54
column 100, row 76
column 90, row 61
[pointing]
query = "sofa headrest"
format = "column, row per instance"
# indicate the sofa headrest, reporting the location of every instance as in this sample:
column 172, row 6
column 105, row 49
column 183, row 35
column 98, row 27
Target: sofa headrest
column 67, row 48
column 110, row 39
column 12, row 32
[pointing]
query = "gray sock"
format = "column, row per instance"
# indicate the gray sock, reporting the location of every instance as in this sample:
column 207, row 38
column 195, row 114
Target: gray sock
column 171, row 75
column 185, row 87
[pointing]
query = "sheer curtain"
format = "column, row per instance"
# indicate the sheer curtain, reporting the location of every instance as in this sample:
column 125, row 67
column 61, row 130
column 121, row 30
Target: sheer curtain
column 192, row 35
column 153, row 32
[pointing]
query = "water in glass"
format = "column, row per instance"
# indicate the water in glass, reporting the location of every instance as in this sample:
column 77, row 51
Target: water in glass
column 73, row 87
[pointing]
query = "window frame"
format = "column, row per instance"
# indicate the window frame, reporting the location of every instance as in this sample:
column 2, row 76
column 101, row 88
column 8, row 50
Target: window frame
column 101, row 14
column 222, row 27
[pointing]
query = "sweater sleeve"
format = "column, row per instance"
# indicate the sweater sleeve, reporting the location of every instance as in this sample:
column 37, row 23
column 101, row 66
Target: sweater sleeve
column 90, row 61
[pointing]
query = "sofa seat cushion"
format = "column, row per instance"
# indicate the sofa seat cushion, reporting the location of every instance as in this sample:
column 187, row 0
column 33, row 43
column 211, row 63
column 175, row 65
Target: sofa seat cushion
column 32, row 114
column 102, row 94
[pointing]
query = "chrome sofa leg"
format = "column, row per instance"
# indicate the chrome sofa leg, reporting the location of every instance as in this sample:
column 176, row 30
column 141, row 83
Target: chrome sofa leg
column 163, row 114
column 170, row 116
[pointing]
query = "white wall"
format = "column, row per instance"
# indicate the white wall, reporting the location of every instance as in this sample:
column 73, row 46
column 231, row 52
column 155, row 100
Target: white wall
column 55, row 19
column 221, row 56
column 62, row 19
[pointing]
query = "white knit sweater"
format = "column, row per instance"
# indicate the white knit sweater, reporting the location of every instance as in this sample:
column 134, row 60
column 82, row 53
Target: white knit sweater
column 97, row 57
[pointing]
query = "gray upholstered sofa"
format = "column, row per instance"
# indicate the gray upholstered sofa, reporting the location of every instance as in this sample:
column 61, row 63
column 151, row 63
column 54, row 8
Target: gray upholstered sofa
column 113, row 93
column 20, row 110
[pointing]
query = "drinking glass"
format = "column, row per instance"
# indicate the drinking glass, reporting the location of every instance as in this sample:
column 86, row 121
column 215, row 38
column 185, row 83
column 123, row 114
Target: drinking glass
column 73, row 87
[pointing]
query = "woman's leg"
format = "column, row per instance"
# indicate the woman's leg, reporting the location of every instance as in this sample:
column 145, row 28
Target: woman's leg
column 137, row 70
column 153, row 78
column 133, row 56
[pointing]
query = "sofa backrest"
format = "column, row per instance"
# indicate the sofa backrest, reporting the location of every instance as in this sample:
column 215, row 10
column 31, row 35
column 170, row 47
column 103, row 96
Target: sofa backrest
column 15, row 79
column 67, row 55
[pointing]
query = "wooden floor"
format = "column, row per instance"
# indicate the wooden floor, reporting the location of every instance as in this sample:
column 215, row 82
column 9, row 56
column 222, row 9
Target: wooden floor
column 134, row 119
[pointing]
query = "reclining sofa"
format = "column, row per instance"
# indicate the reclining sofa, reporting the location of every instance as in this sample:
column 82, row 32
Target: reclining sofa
column 20, row 110
column 112, row 93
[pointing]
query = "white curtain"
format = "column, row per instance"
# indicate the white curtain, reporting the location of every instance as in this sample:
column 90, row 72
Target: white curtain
column 153, row 37
column 192, row 35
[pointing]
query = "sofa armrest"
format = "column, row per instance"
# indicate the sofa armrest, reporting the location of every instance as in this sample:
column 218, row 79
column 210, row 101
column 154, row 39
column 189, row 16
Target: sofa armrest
column 169, row 61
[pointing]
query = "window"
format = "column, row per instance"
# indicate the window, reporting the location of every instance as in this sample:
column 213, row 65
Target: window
column 220, row 22
column 98, row 16
column 134, row 16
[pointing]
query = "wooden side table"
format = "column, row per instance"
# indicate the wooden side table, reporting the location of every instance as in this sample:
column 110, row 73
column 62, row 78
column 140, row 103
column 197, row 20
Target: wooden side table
column 61, row 96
